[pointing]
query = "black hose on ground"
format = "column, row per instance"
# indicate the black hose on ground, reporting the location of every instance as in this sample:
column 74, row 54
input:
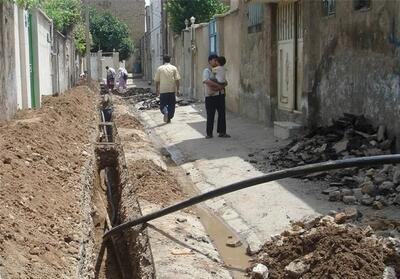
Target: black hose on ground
column 293, row 172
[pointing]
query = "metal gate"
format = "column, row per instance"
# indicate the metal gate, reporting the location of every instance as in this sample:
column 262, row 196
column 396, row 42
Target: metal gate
column 290, row 52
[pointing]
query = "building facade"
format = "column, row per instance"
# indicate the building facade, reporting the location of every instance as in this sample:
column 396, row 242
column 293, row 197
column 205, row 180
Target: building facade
column 305, row 62
column 132, row 13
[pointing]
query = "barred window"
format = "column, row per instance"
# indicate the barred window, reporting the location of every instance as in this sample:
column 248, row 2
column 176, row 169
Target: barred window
column 328, row 7
column 255, row 17
column 212, row 36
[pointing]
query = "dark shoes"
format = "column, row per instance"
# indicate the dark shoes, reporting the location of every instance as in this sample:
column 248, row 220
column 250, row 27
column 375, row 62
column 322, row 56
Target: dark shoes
column 224, row 136
column 220, row 135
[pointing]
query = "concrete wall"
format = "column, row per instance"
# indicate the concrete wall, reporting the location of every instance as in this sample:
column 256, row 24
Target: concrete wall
column 200, row 61
column 18, row 47
column 252, row 88
column 23, row 47
column 132, row 12
column 353, row 63
column 8, row 88
column 226, row 26
column 155, row 34
column 42, row 50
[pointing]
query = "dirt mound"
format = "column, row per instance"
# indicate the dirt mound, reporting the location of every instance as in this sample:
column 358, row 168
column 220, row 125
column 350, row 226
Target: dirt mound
column 328, row 250
column 42, row 156
column 154, row 184
column 128, row 121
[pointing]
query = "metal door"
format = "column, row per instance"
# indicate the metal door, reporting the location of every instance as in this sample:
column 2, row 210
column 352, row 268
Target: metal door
column 290, row 51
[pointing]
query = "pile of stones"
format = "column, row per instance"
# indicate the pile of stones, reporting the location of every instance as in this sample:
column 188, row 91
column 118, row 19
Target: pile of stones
column 349, row 137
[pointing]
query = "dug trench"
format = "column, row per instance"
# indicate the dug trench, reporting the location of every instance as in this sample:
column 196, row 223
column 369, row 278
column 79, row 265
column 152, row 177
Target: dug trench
column 193, row 243
column 57, row 172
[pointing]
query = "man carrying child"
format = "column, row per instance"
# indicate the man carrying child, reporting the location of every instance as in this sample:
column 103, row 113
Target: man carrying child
column 214, row 80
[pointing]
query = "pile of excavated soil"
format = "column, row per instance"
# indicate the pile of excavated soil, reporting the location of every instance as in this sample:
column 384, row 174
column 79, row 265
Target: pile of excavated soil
column 154, row 184
column 42, row 158
column 329, row 250
column 128, row 121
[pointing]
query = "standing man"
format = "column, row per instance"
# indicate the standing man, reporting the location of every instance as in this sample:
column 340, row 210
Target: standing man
column 215, row 100
column 110, row 78
column 167, row 85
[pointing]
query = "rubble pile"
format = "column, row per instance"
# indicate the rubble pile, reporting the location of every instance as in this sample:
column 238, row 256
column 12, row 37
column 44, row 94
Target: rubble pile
column 325, row 247
column 350, row 136
column 148, row 99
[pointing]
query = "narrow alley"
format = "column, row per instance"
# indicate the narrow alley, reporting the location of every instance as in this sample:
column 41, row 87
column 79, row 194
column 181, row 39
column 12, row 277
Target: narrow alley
column 199, row 139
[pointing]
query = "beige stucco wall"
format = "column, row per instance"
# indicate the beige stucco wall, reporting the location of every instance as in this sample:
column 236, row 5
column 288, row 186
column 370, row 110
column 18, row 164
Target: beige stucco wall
column 200, row 60
column 229, row 47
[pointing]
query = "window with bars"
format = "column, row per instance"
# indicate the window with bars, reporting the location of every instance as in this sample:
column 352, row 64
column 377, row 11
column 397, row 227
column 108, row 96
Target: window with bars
column 255, row 17
column 212, row 36
column 328, row 7
column 362, row 4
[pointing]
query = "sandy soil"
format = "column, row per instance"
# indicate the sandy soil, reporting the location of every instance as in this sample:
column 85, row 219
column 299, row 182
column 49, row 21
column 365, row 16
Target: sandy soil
column 154, row 184
column 42, row 155
column 329, row 250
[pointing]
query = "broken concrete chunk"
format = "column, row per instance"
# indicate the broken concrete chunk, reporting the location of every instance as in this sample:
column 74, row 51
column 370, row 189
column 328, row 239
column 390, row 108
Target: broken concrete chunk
column 329, row 190
column 389, row 273
column 334, row 196
column 368, row 188
column 341, row 146
column 367, row 200
column 349, row 200
column 309, row 221
column 370, row 172
column 397, row 199
column 260, row 271
column 381, row 133
column 296, row 269
column 340, row 218
column 380, row 178
column 396, row 176
column 233, row 243
column 386, row 186
column 327, row 220
column 357, row 192
column 346, row 192
column 352, row 213
column 377, row 205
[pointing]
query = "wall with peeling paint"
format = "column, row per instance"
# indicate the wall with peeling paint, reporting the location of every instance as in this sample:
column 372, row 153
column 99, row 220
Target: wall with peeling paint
column 8, row 88
column 353, row 63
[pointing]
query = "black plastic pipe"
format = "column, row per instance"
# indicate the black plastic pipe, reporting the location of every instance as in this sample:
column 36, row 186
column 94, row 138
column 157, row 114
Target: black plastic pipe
column 293, row 172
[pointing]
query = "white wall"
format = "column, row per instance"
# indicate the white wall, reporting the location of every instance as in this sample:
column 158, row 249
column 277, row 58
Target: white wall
column 155, row 35
column 17, row 58
column 44, row 54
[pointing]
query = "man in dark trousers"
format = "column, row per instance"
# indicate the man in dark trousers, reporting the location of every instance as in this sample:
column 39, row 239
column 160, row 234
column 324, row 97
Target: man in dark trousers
column 214, row 99
column 167, row 85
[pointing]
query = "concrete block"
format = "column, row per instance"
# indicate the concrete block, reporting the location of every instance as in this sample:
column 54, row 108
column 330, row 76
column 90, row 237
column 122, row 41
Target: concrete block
column 286, row 130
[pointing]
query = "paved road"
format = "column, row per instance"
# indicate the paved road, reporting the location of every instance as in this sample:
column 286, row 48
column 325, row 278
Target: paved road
column 255, row 213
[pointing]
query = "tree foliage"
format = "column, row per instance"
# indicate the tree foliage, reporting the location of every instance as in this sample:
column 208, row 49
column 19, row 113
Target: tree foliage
column 27, row 4
column 202, row 10
column 110, row 34
column 64, row 13
column 79, row 34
